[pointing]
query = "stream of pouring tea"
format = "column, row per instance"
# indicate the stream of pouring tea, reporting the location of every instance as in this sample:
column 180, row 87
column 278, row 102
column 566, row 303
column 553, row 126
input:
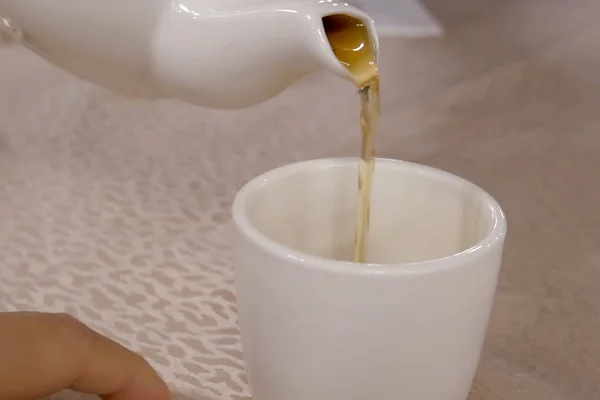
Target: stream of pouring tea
column 352, row 45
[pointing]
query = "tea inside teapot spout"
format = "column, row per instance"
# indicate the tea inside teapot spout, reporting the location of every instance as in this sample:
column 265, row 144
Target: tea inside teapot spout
column 347, row 39
column 352, row 44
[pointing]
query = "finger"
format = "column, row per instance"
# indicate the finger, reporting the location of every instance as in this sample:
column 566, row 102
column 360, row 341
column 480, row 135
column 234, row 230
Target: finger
column 41, row 354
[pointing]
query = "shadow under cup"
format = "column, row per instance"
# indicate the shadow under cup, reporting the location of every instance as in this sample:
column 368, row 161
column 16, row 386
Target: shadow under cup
column 409, row 325
column 417, row 213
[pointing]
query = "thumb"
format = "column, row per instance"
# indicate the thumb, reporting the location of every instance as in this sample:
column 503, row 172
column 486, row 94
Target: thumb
column 44, row 353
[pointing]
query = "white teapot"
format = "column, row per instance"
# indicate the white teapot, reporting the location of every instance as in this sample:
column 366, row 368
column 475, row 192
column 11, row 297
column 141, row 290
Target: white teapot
column 213, row 53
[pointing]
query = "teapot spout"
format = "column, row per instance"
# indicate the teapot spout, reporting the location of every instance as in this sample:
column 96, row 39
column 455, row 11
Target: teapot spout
column 346, row 42
column 235, row 56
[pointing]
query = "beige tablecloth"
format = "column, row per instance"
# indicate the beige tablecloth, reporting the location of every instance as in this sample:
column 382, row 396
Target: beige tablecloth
column 117, row 210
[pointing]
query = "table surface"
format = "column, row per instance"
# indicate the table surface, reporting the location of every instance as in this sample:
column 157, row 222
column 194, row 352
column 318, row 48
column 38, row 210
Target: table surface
column 117, row 210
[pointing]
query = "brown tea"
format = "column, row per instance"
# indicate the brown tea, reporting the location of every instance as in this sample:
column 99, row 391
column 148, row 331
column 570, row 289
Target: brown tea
column 352, row 45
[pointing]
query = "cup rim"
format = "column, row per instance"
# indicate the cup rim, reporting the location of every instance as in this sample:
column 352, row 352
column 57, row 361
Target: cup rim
column 306, row 260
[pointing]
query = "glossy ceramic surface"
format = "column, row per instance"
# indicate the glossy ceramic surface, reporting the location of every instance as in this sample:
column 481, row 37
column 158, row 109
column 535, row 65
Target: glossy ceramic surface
column 214, row 53
column 409, row 326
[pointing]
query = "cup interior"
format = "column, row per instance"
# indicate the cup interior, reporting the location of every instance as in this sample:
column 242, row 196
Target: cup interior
column 417, row 213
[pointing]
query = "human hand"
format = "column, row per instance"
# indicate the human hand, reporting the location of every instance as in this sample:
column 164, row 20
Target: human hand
column 41, row 354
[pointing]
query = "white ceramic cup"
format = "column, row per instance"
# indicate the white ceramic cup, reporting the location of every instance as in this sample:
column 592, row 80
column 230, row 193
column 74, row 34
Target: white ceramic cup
column 408, row 326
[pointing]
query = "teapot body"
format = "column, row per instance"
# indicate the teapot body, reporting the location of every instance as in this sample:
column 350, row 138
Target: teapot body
column 106, row 42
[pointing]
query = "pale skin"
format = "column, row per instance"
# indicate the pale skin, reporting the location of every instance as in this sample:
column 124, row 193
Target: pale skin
column 42, row 354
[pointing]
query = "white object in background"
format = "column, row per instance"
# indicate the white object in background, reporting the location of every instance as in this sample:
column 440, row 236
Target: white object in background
column 411, row 327
column 407, row 18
